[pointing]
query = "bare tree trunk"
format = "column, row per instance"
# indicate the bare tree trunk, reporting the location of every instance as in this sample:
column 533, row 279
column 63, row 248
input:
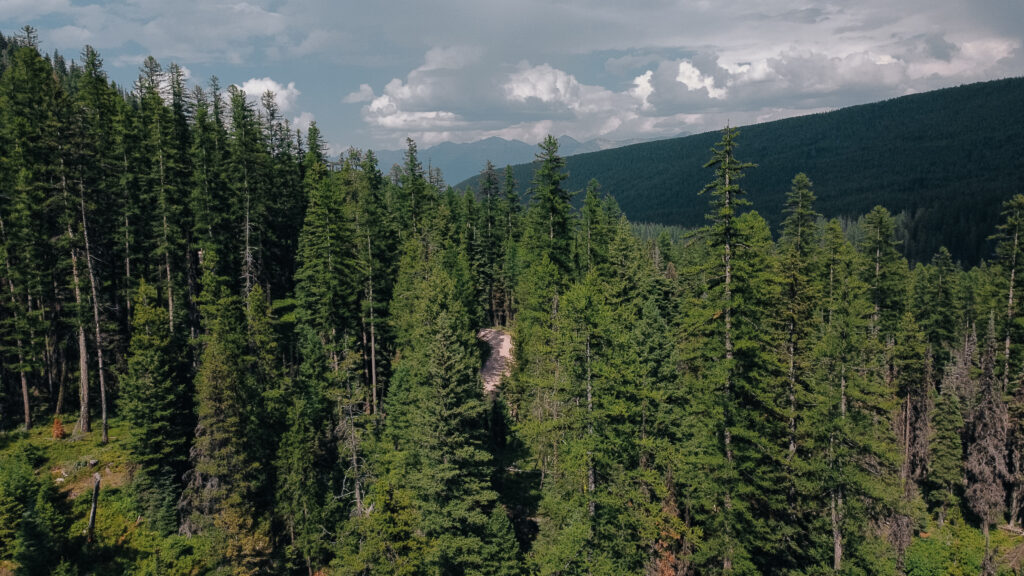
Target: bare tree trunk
column 248, row 265
column 83, row 383
column 166, row 240
column 986, row 564
column 507, row 306
column 83, row 352
column 127, row 272
column 792, row 389
column 92, row 511
column 18, row 341
column 878, row 274
column 127, row 246
column 837, row 492
column 1009, row 313
column 591, row 479
column 95, row 313
column 905, row 469
column 837, row 530
column 831, row 289
column 61, row 384
column 364, row 351
column 353, row 446
column 170, row 287
column 727, row 434
column 373, row 335
column 1016, row 476
column 60, row 397
column 24, row 388
column 48, row 353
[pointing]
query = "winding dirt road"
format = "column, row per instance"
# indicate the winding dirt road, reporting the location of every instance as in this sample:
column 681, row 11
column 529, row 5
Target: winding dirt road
column 499, row 363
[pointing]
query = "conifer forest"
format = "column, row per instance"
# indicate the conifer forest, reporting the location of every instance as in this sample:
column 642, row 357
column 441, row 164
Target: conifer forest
column 224, row 352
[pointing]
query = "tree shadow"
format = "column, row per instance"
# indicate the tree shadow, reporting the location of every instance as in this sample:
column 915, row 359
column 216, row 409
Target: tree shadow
column 518, row 490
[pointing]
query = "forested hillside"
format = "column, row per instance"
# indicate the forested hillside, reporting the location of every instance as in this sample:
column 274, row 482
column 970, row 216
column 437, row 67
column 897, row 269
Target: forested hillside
column 946, row 158
column 217, row 356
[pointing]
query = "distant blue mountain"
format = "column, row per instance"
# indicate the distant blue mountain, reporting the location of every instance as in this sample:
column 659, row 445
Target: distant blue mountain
column 461, row 161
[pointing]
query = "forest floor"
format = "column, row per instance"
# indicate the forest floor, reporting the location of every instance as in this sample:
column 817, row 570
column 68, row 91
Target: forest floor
column 499, row 363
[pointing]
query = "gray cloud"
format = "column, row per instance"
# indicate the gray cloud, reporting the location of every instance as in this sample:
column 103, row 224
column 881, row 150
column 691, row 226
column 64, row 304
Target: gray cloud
column 463, row 69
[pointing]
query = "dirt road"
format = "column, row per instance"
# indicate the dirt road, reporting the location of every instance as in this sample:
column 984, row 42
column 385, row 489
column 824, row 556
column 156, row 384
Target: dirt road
column 499, row 363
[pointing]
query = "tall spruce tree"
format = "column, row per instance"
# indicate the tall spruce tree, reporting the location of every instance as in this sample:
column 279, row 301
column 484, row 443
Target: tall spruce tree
column 986, row 452
column 225, row 480
column 548, row 225
column 156, row 406
column 946, row 472
column 436, row 423
column 799, row 246
column 854, row 448
column 885, row 271
column 162, row 185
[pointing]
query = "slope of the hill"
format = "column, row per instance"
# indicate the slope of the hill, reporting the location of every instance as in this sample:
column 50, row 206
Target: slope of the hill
column 947, row 158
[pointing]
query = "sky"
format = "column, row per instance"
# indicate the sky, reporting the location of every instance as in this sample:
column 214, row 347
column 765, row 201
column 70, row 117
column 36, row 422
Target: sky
column 372, row 73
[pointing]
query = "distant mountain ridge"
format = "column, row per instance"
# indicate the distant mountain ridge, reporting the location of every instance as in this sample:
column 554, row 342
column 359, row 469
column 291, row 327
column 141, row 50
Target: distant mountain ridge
column 459, row 161
column 948, row 158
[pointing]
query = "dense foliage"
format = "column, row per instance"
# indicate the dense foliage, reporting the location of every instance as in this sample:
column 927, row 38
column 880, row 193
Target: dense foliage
column 268, row 360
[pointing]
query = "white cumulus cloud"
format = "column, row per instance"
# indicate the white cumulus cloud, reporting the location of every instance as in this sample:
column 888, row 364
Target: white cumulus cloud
column 642, row 89
column 303, row 120
column 284, row 96
column 364, row 94
column 544, row 83
column 694, row 80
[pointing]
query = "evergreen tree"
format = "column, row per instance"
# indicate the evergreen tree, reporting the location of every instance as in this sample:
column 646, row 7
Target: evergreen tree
column 885, row 271
column 161, row 186
column 28, row 164
column 375, row 254
column 210, row 197
column 547, row 233
column 1009, row 251
column 735, row 373
column 799, row 245
column 489, row 229
column 946, row 469
column 854, row 449
column 223, row 485
column 912, row 367
column 986, row 452
column 284, row 204
column 155, row 406
column 436, row 423
column 937, row 294
column 598, row 219
column 32, row 528
column 247, row 177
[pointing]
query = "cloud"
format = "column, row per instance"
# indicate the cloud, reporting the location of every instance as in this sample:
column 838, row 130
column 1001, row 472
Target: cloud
column 642, row 89
column 364, row 94
column 449, row 58
column 543, row 83
column 693, row 79
column 963, row 60
column 431, row 120
column 24, row 10
column 284, row 96
column 604, row 68
column 315, row 42
column 303, row 120
column 186, row 30
column 70, row 36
